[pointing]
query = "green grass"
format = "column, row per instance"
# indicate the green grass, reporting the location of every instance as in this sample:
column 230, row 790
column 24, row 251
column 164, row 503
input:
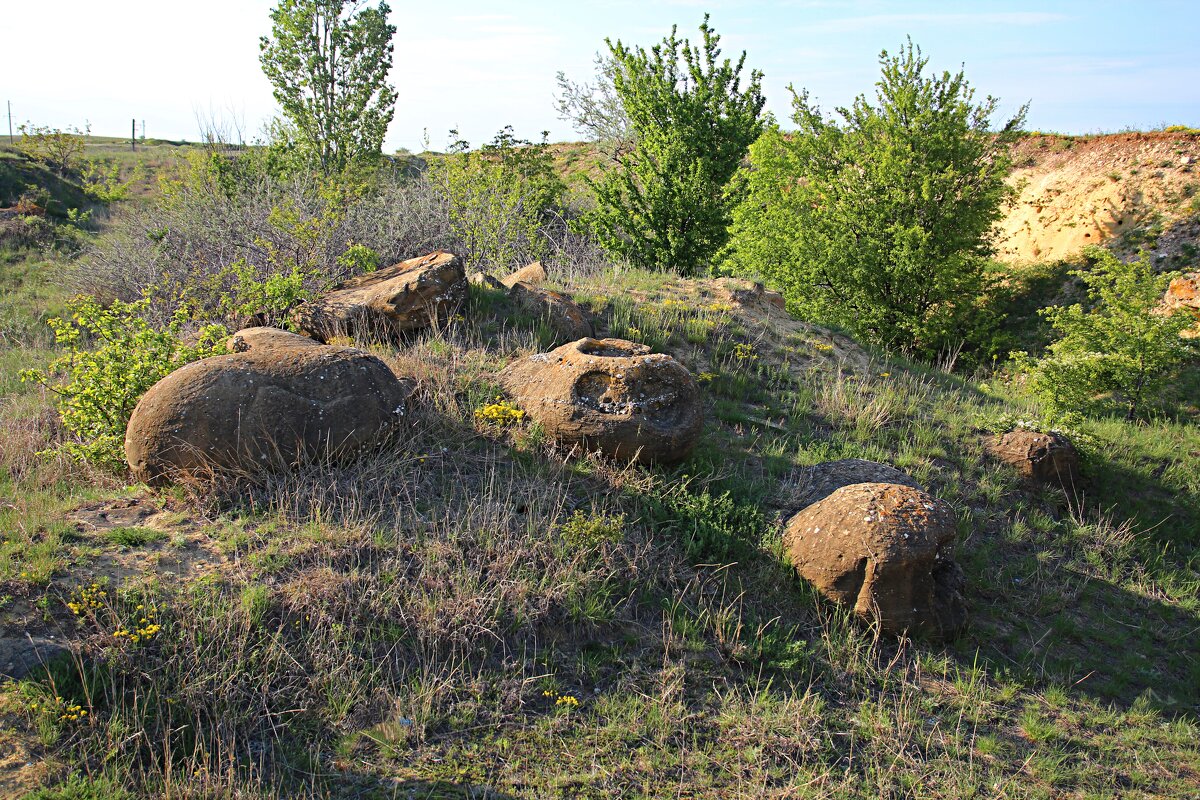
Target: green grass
column 133, row 537
column 408, row 625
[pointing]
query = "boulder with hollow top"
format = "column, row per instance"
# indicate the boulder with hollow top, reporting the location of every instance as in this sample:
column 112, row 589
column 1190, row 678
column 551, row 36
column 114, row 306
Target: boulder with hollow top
column 610, row 395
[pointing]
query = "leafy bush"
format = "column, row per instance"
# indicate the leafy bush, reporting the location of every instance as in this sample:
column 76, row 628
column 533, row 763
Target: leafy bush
column 583, row 530
column 265, row 300
column 222, row 207
column 1119, row 351
column 113, row 355
column 880, row 223
column 59, row 149
column 103, row 182
column 710, row 527
column 498, row 197
column 667, row 203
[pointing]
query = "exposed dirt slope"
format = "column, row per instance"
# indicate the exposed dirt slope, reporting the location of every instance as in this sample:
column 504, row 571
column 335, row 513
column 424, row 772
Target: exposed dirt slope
column 1121, row 190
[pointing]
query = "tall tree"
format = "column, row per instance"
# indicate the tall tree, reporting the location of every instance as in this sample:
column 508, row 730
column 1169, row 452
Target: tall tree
column 328, row 61
column 667, row 203
column 881, row 221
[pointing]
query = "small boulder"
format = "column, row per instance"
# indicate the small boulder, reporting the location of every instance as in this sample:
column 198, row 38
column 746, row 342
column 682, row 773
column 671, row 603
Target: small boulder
column 821, row 480
column 530, row 274
column 886, row 551
column 405, row 297
column 610, row 395
column 280, row 401
column 1039, row 457
column 568, row 321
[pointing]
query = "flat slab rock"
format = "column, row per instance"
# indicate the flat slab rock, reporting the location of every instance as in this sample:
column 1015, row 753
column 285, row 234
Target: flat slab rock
column 886, row 551
column 281, row 400
column 404, row 297
column 610, row 395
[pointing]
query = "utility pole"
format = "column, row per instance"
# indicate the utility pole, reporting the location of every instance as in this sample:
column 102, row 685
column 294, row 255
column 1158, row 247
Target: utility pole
column 143, row 130
column 133, row 134
column 10, row 136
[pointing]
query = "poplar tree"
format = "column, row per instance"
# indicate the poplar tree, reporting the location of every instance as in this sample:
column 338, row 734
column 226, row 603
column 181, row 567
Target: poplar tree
column 328, row 61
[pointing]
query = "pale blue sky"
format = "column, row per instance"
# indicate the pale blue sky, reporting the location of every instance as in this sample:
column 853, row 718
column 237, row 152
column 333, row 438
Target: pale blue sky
column 1084, row 66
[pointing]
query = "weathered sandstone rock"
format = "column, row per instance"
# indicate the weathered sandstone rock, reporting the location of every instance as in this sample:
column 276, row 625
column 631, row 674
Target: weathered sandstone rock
column 405, row 297
column 884, row 550
column 565, row 318
column 610, row 395
column 821, row 480
column 280, row 401
column 1039, row 457
column 530, row 273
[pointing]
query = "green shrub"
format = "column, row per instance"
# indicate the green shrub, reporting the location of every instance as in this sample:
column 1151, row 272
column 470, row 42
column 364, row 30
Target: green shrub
column 59, row 149
column 358, row 259
column 880, row 222
column 713, row 528
column 498, row 197
column 591, row 530
column 268, row 299
column 103, row 182
column 113, row 355
column 1116, row 353
column 667, row 203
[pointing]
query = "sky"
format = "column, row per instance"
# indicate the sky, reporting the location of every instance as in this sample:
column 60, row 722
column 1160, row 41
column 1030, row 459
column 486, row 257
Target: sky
column 1083, row 67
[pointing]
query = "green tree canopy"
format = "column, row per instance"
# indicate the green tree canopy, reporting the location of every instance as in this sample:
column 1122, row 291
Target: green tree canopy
column 667, row 203
column 880, row 222
column 328, row 61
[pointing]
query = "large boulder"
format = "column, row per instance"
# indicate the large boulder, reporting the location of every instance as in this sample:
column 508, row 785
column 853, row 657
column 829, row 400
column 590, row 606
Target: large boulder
column 1039, row 457
column 613, row 396
column 280, row 401
column 821, row 480
column 568, row 321
column 405, row 297
column 886, row 551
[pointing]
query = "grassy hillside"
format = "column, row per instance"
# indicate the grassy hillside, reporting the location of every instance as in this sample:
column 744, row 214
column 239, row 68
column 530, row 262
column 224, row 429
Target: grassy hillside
column 475, row 613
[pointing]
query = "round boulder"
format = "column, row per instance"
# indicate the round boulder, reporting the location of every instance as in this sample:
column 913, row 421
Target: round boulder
column 610, row 395
column 1038, row 457
column 884, row 550
column 279, row 402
